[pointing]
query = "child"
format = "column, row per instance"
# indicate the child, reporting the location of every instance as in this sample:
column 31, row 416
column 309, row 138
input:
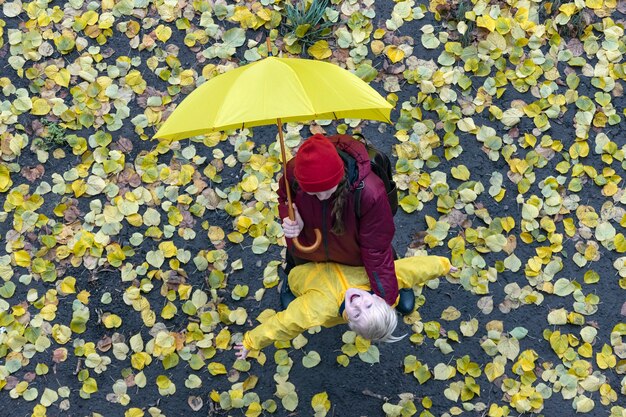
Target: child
column 328, row 294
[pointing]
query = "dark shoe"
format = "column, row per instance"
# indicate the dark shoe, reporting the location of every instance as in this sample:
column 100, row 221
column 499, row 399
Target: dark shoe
column 286, row 296
column 406, row 301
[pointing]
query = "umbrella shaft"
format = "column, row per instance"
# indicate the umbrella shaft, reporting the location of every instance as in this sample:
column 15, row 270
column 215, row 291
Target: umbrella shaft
column 283, row 154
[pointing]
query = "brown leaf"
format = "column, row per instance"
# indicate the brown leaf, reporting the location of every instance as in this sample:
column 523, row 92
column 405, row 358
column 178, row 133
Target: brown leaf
column 11, row 383
column 511, row 244
column 575, row 46
column 212, row 197
column 59, row 355
column 188, row 220
column 71, row 214
column 124, row 145
column 130, row 380
column 315, row 129
column 195, row 403
column 623, row 312
column 33, row 173
column 199, row 183
column 418, row 240
column 455, row 218
column 618, row 90
column 129, row 176
column 173, row 280
column 104, row 344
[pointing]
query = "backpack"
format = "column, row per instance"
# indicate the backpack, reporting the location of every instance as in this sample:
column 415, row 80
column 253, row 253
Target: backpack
column 381, row 166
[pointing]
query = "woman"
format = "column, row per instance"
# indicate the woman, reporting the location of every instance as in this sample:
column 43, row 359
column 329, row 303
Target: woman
column 329, row 294
column 324, row 176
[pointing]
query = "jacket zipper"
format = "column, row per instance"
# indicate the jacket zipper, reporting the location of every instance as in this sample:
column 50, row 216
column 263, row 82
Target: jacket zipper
column 324, row 231
column 379, row 284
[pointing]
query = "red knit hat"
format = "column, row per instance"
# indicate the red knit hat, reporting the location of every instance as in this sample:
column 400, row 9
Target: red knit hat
column 318, row 165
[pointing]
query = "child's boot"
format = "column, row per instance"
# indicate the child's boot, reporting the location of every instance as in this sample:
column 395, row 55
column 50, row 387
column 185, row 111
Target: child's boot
column 406, row 301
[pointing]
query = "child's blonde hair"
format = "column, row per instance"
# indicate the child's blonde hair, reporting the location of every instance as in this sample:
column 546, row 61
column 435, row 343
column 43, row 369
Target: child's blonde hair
column 379, row 323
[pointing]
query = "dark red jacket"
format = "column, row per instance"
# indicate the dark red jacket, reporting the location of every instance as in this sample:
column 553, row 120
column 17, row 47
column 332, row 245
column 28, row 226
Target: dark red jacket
column 365, row 241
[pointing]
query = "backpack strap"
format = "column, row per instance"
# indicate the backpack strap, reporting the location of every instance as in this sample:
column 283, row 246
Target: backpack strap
column 357, row 199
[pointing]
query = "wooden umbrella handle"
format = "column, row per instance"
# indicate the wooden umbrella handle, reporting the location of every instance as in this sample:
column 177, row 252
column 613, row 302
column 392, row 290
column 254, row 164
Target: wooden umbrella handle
column 292, row 215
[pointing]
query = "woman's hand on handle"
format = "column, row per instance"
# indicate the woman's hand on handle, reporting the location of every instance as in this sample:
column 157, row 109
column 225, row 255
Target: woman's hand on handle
column 292, row 228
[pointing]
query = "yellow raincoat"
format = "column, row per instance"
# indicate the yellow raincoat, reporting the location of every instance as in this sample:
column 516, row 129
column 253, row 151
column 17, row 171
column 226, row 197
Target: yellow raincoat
column 320, row 290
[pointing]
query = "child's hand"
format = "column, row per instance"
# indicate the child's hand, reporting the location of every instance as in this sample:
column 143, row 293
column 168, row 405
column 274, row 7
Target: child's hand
column 292, row 228
column 242, row 352
column 453, row 269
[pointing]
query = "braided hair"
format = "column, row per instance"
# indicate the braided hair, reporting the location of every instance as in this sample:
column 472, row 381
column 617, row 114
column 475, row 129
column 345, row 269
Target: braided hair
column 341, row 197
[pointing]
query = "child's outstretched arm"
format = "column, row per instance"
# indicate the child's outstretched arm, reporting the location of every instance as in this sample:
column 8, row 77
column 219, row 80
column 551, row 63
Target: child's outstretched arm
column 417, row 270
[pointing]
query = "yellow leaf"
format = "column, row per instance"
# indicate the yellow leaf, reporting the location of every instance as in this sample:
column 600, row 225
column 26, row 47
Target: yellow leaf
column 61, row 333
column 112, row 320
column 610, row 189
column 493, row 370
column 585, row 350
column 68, row 285
column 486, row 22
column 460, row 172
column 22, row 258
column 570, row 228
column 320, row 401
column 134, row 412
column 149, row 317
column 169, row 311
column 163, row 33
column 320, row 50
column 62, row 77
column 250, row 183
column 394, row 53
column 83, row 297
column 140, row 359
column 5, row 178
column 606, row 359
column 235, row 237
column 508, row 223
column 40, row 107
column 79, row 187
column 168, row 248
column 568, row 9
column 594, row 4
column 377, row 47
column 48, row 312
column 216, row 368
column 90, row 386
column 222, row 339
column 620, row 243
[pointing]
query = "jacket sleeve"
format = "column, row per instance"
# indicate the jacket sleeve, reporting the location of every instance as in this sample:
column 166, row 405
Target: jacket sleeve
column 417, row 270
column 304, row 312
column 376, row 230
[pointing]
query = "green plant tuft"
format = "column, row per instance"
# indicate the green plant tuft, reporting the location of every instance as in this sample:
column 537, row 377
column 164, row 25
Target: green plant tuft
column 54, row 136
column 304, row 24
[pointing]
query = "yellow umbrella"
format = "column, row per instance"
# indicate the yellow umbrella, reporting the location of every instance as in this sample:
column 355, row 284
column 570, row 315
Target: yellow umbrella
column 275, row 90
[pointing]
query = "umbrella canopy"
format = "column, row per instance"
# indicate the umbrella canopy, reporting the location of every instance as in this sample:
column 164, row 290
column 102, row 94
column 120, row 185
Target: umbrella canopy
column 260, row 93
column 275, row 90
